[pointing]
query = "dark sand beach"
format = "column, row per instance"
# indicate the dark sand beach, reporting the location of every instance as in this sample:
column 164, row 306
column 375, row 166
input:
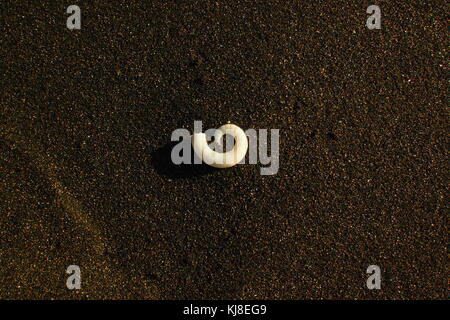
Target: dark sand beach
column 86, row 118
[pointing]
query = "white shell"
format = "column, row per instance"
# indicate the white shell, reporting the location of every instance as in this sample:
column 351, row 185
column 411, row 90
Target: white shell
column 221, row 159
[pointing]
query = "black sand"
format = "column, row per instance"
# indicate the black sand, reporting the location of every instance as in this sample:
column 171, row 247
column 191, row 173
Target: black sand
column 85, row 124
